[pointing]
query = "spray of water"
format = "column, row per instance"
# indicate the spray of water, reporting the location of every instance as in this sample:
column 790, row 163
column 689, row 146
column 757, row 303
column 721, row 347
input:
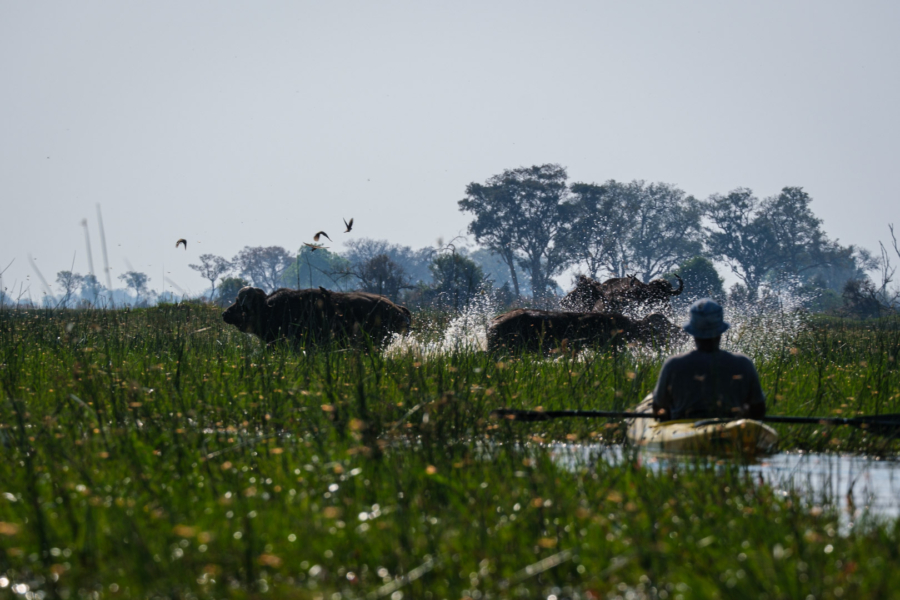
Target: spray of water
column 466, row 332
column 760, row 328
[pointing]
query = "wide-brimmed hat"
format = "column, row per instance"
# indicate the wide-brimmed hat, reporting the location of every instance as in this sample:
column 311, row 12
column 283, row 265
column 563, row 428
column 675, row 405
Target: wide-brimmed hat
column 706, row 320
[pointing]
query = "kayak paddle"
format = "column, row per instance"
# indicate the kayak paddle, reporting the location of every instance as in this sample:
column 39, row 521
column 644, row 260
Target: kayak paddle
column 888, row 424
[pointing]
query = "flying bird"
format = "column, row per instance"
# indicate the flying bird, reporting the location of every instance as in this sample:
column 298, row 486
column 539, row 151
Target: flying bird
column 320, row 234
column 181, row 241
column 349, row 225
column 313, row 246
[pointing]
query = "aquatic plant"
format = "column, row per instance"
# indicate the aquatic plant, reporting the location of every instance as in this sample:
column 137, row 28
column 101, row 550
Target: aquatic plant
column 157, row 453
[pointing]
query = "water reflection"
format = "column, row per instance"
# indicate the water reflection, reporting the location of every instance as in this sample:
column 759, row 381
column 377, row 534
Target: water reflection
column 858, row 484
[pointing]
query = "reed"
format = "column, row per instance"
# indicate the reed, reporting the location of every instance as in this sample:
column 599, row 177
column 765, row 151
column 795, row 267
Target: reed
column 158, row 453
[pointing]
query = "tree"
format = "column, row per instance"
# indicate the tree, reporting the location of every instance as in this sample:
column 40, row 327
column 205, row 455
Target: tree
column 861, row 299
column 137, row 282
column 841, row 264
column 518, row 215
column 264, row 266
column 779, row 235
column 455, row 280
column 229, row 288
column 212, row 267
column 495, row 269
column 741, row 236
column 632, row 228
column 413, row 262
column 888, row 297
column 592, row 222
column 667, row 229
column 381, row 275
column 701, row 280
column 69, row 282
column 313, row 268
column 90, row 288
column 801, row 243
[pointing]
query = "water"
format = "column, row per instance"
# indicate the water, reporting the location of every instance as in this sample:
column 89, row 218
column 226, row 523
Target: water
column 466, row 332
column 765, row 328
column 760, row 329
column 859, row 485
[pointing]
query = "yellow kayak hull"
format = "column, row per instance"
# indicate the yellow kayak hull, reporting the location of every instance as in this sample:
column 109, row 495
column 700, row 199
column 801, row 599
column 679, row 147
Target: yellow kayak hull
column 707, row 436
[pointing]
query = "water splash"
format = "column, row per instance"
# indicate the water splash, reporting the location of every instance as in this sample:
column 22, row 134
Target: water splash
column 761, row 328
column 466, row 332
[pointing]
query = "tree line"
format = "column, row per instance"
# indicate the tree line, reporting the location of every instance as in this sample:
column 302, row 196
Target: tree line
column 536, row 220
column 443, row 277
column 532, row 225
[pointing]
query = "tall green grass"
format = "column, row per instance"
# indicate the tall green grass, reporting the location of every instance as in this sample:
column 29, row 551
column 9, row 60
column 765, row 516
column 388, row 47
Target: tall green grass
column 160, row 453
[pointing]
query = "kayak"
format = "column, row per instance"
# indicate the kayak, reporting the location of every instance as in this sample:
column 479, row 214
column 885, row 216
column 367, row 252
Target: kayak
column 705, row 436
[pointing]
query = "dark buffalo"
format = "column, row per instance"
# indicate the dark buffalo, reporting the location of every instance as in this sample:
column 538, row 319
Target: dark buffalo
column 619, row 294
column 317, row 317
column 588, row 292
column 544, row 331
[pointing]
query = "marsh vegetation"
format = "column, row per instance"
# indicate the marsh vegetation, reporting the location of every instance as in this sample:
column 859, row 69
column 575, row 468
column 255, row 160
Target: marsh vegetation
column 159, row 453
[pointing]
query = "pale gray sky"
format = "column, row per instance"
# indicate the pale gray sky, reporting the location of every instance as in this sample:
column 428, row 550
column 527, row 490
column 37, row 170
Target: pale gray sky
column 237, row 123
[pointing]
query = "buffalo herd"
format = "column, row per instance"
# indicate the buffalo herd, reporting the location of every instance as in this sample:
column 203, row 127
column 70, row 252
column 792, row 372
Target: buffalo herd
column 593, row 318
column 547, row 331
column 618, row 294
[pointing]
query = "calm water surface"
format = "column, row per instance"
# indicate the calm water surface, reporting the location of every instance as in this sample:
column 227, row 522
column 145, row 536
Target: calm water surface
column 858, row 484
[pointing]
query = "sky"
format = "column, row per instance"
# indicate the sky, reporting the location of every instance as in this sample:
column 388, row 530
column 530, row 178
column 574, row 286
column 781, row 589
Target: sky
column 235, row 124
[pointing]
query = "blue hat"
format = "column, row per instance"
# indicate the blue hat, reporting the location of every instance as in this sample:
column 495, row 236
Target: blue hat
column 706, row 320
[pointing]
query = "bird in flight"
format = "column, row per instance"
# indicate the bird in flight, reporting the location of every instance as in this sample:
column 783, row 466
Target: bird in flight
column 181, row 241
column 320, row 234
column 313, row 246
column 349, row 225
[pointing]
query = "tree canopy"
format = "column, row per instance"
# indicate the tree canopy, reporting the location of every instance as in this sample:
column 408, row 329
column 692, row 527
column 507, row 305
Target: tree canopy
column 518, row 215
column 69, row 282
column 631, row 228
column 229, row 288
column 136, row 281
column 314, row 268
column 701, row 280
column 264, row 266
column 456, row 279
column 212, row 267
column 779, row 235
column 381, row 275
column 532, row 225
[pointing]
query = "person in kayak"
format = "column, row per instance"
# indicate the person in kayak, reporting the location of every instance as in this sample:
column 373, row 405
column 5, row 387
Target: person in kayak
column 708, row 382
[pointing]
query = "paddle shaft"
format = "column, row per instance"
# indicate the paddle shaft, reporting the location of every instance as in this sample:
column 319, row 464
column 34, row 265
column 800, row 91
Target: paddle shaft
column 874, row 421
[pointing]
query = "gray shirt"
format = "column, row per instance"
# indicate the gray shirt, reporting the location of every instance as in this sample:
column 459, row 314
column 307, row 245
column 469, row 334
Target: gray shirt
column 707, row 384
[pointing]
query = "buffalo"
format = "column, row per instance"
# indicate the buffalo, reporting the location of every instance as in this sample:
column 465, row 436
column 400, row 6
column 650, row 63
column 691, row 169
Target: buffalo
column 317, row 317
column 545, row 331
column 588, row 292
column 619, row 294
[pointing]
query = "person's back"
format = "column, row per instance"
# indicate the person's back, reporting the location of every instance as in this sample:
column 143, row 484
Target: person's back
column 708, row 382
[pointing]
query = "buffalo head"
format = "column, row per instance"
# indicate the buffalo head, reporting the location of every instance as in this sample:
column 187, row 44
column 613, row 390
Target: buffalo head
column 248, row 311
column 661, row 288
